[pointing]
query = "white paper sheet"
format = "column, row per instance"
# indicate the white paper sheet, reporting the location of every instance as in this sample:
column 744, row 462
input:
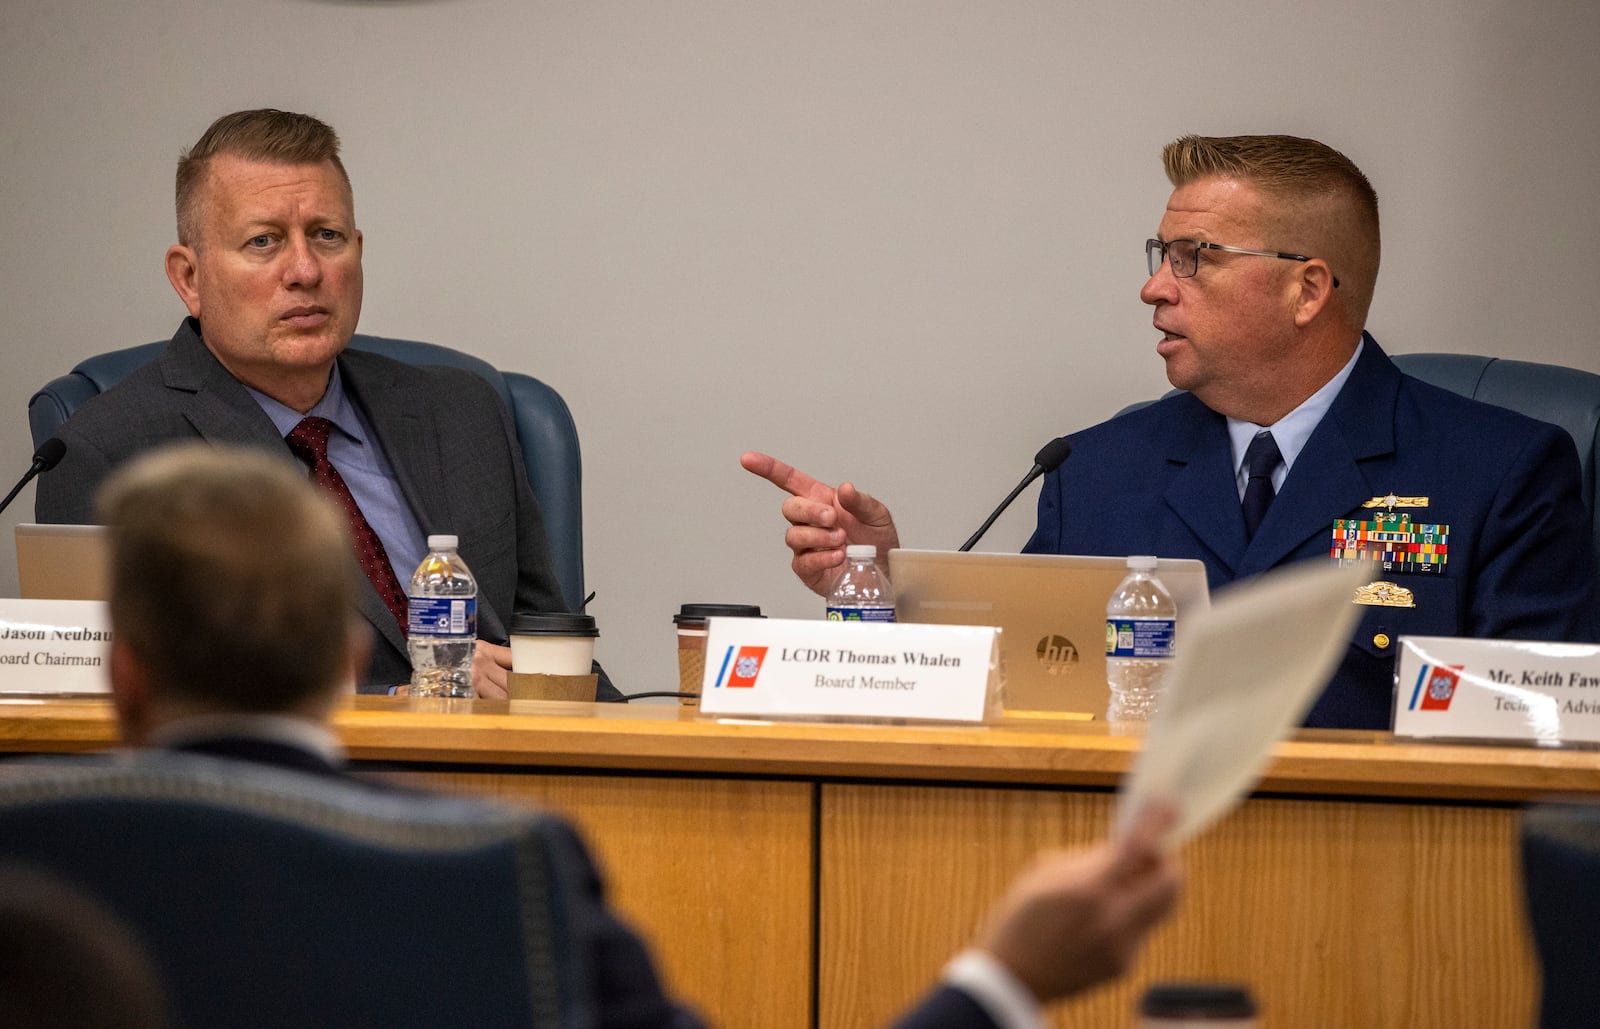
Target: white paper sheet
column 1243, row 676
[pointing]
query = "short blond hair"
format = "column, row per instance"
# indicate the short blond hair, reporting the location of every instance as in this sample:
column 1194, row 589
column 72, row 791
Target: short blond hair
column 232, row 577
column 1325, row 206
column 267, row 135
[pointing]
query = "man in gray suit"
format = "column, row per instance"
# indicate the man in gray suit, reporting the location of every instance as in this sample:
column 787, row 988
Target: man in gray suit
column 268, row 263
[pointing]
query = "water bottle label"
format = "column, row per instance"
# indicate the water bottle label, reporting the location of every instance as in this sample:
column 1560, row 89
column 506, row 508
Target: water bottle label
column 442, row 616
column 1139, row 637
column 860, row 614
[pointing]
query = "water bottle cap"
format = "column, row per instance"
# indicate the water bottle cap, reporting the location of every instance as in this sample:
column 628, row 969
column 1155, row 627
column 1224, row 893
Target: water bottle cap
column 860, row 551
column 1141, row 562
column 442, row 542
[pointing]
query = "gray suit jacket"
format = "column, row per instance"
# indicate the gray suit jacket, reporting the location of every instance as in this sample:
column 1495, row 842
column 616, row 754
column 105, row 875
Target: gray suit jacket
column 444, row 431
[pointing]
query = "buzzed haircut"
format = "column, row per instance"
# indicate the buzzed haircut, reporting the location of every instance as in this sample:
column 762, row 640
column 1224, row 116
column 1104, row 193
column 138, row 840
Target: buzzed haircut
column 267, row 135
column 1327, row 208
column 232, row 577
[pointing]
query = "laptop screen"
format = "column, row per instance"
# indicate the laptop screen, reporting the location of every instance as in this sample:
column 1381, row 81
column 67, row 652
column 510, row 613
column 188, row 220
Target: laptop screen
column 63, row 562
column 1051, row 609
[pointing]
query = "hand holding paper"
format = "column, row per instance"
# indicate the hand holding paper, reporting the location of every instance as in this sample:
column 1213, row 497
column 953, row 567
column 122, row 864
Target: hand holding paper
column 1244, row 674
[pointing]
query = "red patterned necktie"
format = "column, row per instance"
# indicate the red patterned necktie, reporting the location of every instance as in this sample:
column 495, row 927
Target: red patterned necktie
column 309, row 441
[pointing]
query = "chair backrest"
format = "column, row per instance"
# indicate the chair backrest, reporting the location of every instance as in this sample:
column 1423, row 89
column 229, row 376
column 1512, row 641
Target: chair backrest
column 1551, row 393
column 545, row 430
column 272, row 897
column 1561, row 878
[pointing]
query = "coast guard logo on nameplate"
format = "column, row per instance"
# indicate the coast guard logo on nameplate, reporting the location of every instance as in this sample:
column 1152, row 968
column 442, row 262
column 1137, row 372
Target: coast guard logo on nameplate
column 744, row 668
column 1436, row 687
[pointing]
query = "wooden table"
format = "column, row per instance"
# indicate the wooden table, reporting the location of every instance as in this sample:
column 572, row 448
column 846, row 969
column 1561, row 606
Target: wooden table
column 819, row 875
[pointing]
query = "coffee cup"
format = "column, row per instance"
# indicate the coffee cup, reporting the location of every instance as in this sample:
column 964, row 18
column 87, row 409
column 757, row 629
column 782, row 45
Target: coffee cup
column 552, row 656
column 691, row 623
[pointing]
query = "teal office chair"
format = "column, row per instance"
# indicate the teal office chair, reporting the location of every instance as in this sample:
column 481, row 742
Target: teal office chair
column 545, row 431
column 1551, row 393
column 269, row 897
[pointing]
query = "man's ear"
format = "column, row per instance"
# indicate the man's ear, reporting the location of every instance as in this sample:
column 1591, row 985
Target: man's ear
column 183, row 271
column 130, row 691
column 1315, row 291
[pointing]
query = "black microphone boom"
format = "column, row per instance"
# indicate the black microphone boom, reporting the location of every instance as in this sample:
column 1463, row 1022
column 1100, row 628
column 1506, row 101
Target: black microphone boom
column 1048, row 459
column 49, row 454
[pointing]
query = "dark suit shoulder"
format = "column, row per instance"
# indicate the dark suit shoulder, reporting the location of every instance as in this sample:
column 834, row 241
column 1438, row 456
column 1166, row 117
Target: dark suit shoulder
column 364, row 366
column 1155, row 427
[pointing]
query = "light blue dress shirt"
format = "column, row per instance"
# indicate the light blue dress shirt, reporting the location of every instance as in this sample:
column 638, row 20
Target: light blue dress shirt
column 1292, row 430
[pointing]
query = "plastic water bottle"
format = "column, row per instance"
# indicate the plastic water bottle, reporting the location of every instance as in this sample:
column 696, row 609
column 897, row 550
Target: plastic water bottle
column 1141, row 620
column 862, row 592
column 442, row 622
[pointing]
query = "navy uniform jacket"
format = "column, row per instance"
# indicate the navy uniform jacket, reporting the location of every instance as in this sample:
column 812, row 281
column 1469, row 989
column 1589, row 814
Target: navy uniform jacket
column 1520, row 564
column 445, row 433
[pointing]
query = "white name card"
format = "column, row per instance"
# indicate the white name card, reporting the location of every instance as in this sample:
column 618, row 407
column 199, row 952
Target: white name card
column 1507, row 690
column 54, row 646
column 790, row 668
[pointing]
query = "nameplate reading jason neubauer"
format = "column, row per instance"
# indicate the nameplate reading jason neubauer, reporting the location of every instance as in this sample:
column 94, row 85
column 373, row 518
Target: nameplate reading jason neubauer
column 54, row 646
column 808, row 669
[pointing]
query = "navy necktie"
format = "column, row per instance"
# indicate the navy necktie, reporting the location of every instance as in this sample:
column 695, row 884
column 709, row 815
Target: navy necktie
column 1261, row 458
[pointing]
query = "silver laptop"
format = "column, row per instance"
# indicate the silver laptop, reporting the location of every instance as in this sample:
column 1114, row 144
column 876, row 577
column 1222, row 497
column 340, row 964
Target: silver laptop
column 1051, row 610
column 63, row 562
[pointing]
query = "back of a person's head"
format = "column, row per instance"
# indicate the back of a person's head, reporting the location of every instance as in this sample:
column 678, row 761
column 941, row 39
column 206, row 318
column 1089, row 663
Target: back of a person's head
column 266, row 135
column 232, row 578
column 66, row 962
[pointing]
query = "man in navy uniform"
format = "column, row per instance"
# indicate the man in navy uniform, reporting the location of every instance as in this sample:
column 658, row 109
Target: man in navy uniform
column 1296, row 438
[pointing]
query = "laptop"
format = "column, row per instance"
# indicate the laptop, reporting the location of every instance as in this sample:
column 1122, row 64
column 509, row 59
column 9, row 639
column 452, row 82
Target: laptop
column 63, row 562
column 1051, row 609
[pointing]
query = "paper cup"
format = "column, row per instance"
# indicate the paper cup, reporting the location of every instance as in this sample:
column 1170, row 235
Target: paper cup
column 691, row 623
column 553, row 644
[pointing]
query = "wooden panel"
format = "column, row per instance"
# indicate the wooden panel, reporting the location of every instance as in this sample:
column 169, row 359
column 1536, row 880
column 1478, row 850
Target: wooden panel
column 1335, row 913
column 716, row 874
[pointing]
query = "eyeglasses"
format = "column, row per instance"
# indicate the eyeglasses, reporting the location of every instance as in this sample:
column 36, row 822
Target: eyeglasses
column 1183, row 255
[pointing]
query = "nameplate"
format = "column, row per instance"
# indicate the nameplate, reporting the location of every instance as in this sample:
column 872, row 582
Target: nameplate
column 54, row 646
column 1506, row 690
column 791, row 668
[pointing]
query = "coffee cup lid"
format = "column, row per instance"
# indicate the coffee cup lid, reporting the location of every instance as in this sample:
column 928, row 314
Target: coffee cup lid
column 696, row 614
column 553, row 623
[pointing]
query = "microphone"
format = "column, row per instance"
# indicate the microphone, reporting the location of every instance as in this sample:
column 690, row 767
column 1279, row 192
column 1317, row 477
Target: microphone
column 1048, row 459
column 49, row 454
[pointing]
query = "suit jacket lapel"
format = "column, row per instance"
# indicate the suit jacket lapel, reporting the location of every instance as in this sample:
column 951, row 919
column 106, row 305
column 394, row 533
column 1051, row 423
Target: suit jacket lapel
column 1203, row 494
column 219, row 408
column 1327, row 480
column 403, row 425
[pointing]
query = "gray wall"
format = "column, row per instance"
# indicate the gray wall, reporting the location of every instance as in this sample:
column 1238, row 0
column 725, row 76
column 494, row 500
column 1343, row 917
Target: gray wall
column 897, row 241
